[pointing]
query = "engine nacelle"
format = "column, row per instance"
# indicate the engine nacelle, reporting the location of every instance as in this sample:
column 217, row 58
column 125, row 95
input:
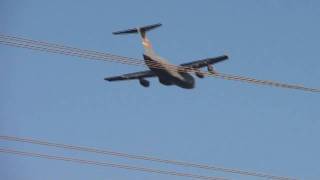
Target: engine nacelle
column 144, row 83
column 199, row 74
column 210, row 69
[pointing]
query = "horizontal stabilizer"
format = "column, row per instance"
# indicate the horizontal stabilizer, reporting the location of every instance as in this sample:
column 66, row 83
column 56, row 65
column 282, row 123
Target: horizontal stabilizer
column 135, row 30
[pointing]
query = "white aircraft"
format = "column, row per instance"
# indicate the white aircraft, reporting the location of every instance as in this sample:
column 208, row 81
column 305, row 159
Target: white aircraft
column 168, row 74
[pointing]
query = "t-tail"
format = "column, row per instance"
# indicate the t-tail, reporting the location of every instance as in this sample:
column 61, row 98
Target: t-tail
column 142, row 31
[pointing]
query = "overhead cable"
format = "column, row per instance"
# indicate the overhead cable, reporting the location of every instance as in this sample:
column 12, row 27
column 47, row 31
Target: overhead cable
column 88, row 54
column 108, row 164
column 146, row 158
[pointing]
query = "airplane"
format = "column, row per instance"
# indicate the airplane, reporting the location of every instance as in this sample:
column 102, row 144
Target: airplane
column 168, row 74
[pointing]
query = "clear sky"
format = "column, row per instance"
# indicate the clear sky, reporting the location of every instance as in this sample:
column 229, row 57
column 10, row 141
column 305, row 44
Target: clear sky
column 231, row 124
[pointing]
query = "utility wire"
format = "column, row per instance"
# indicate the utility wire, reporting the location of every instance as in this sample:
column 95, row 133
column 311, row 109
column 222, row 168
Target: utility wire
column 123, row 60
column 146, row 158
column 107, row 164
column 66, row 51
column 55, row 48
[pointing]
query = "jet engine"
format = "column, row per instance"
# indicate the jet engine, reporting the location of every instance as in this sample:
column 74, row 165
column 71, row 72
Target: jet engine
column 144, row 83
column 210, row 69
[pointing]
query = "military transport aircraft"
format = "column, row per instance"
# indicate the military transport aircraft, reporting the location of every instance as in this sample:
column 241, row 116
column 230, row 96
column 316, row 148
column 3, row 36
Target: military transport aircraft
column 167, row 73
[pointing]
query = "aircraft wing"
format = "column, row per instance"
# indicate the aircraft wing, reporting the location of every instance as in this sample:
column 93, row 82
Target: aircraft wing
column 205, row 62
column 130, row 76
column 147, row 74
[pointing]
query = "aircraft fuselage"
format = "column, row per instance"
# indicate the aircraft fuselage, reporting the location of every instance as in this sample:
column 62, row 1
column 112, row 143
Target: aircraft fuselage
column 168, row 73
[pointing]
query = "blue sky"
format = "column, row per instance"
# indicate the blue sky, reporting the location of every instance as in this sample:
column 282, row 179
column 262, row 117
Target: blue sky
column 232, row 124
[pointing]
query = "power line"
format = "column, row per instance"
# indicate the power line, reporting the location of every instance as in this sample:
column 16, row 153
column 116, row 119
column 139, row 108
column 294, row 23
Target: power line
column 176, row 68
column 107, row 164
column 49, row 47
column 55, row 48
column 65, row 50
column 146, row 158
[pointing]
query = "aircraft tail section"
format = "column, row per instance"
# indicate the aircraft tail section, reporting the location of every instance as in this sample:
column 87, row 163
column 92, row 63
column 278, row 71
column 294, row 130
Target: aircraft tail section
column 142, row 31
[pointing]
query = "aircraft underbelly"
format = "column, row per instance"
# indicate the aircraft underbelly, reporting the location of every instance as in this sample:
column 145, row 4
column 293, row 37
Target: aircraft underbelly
column 167, row 74
column 168, row 78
